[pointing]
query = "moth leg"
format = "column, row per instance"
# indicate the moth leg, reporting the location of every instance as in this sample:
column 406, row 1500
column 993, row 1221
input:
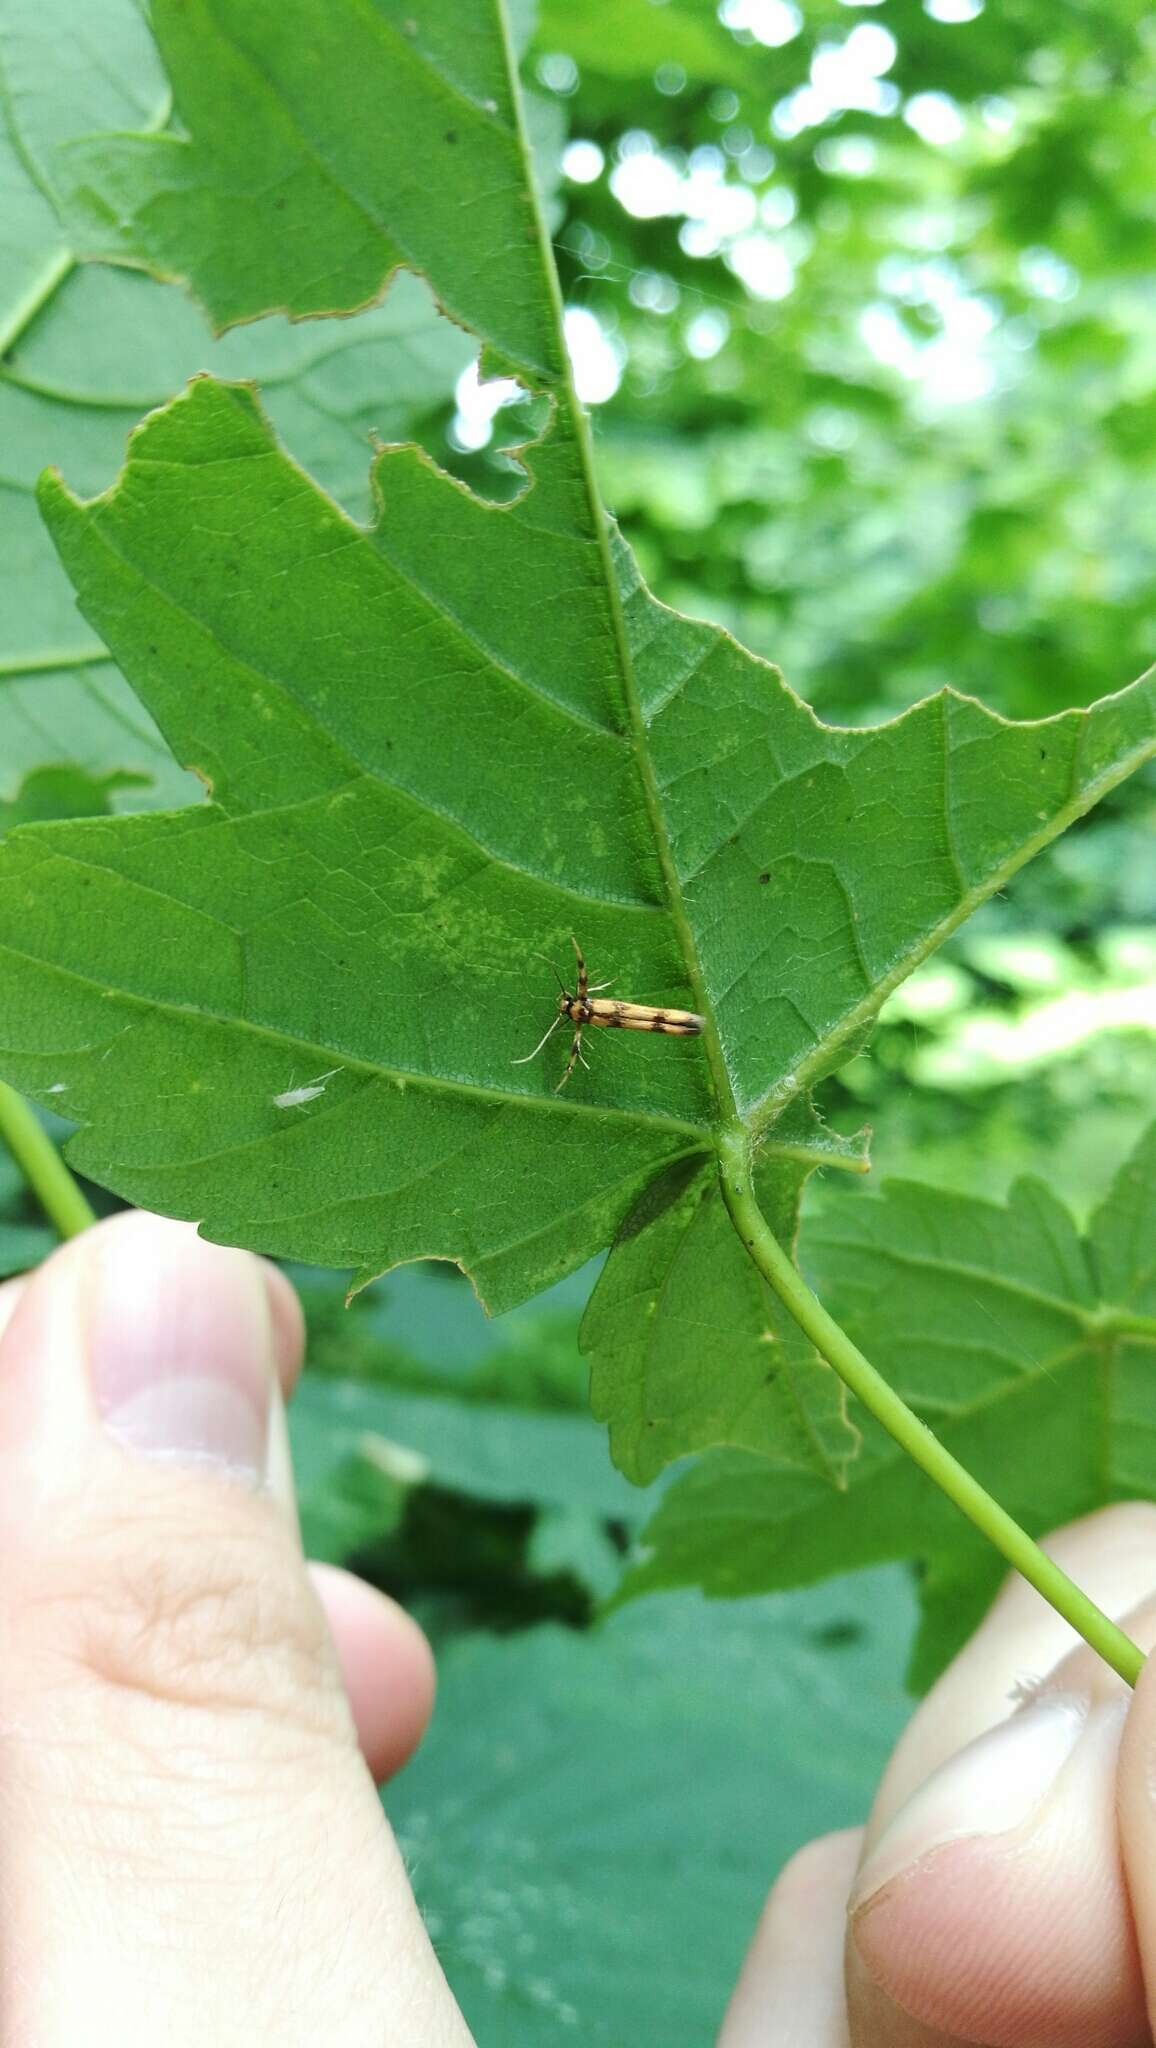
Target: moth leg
column 582, row 976
column 596, row 987
column 575, row 1056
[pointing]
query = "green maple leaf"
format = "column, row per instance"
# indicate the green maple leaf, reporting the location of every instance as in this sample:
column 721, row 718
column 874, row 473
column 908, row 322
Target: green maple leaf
column 62, row 73
column 89, row 347
column 55, row 678
column 290, row 191
column 667, row 1711
column 1025, row 1344
column 680, row 1292
column 438, row 746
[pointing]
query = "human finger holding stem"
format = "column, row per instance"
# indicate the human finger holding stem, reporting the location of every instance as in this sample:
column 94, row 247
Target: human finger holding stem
column 193, row 1721
column 1004, row 1890
column 194, row 1851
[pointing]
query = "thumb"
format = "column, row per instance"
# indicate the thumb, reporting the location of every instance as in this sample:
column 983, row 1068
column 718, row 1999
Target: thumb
column 191, row 1841
column 1136, row 1796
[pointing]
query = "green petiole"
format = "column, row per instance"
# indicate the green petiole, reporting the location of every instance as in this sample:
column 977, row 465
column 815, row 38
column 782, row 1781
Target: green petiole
column 913, row 1436
column 42, row 1166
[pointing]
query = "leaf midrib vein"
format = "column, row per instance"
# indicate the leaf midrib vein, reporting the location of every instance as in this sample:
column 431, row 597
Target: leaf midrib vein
column 600, row 526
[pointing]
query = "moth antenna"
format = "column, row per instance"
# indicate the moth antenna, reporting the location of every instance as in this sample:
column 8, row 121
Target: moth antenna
column 553, row 969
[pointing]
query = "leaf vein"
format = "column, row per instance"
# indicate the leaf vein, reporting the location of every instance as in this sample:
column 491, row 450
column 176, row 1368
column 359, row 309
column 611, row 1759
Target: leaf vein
column 357, row 1063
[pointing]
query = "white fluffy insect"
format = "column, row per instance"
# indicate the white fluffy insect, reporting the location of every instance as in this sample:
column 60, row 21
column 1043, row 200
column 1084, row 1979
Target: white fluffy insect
column 296, row 1098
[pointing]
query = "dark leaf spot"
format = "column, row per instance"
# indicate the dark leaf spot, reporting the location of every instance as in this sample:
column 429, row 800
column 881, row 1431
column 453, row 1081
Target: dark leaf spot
column 838, row 1635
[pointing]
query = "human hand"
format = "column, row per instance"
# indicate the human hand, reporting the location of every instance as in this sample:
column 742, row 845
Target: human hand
column 192, row 1847
column 1004, row 1891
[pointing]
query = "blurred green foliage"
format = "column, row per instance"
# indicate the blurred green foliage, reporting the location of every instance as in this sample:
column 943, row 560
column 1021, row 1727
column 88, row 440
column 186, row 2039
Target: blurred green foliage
column 909, row 452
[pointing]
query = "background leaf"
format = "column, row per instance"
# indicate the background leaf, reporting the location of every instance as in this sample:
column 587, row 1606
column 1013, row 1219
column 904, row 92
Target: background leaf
column 590, row 1823
column 996, row 1324
column 89, row 348
column 470, row 1481
column 288, row 188
column 678, row 1292
column 23, row 1241
column 466, row 1510
column 62, row 74
column 619, row 37
column 495, row 1453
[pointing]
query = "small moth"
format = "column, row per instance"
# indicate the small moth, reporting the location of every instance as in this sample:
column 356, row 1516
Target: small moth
column 583, row 1007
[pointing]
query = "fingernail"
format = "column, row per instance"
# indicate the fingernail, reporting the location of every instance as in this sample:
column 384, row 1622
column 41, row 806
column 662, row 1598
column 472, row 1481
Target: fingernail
column 992, row 1787
column 181, row 1346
